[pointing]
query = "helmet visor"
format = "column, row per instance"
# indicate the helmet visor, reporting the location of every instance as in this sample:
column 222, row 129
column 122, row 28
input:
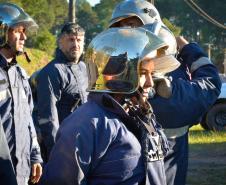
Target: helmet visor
column 113, row 58
column 13, row 16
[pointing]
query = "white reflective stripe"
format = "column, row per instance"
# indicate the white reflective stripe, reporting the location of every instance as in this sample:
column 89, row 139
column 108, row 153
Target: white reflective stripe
column 23, row 94
column 199, row 63
column 4, row 94
column 35, row 142
column 175, row 132
column 42, row 121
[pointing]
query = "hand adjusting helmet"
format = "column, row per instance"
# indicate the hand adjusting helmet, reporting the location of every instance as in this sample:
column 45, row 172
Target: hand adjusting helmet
column 113, row 59
column 11, row 16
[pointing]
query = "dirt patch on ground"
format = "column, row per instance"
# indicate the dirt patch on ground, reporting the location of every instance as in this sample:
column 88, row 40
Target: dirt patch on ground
column 207, row 164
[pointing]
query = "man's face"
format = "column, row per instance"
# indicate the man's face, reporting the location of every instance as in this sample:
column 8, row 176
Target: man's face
column 145, row 80
column 72, row 46
column 133, row 22
column 16, row 39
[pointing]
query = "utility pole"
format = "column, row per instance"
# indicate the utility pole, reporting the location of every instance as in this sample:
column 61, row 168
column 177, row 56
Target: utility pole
column 224, row 63
column 71, row 12
column 208, row 49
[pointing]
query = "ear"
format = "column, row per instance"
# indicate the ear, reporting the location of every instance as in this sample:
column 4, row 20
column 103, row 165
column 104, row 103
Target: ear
column 59, row 42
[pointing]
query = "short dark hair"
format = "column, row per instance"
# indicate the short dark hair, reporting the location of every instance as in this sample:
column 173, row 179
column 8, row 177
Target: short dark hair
column 71, row 27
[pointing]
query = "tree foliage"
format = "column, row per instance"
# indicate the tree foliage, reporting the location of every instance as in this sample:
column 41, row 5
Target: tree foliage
column 87, row 18
column 49, row 15
column 104, row 11
column 176, row 14
column 194, row 27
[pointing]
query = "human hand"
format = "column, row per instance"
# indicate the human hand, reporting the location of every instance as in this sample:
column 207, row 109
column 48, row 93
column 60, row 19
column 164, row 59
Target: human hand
column 163, row 87
column 188, row 52
column 36, row 172
column 181, row 42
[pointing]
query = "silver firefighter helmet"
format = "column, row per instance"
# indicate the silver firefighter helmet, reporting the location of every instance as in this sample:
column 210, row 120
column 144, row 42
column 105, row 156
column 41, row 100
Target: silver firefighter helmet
column 11, row 16
column 167, row 36
column 142, row 9
column 113, row 59
column 150, row 18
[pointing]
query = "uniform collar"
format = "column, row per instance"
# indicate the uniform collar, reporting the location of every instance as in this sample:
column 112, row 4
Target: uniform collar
column 5, row 64
column 108, row 103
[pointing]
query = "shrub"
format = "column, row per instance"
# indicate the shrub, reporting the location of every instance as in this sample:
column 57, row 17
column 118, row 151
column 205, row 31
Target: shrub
column 38, row 60
column 45, row 41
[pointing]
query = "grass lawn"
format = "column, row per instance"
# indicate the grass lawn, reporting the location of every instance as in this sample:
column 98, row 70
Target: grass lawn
column 207, row 157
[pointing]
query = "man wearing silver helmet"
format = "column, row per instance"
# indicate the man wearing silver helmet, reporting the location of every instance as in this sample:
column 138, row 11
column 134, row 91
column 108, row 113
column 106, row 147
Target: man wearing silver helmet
column 15, row 95
column 114, row 138
column 178, row 104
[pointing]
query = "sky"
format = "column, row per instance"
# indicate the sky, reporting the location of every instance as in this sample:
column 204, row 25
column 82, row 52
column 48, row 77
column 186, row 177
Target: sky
column 93, row 2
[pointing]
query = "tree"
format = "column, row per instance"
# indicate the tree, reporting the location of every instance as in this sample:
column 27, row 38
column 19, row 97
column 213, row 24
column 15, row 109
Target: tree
column 194, row 27
column 176, row 14
column 104, row 11
column 88, row 19
column 175, row 29
column 60, row 11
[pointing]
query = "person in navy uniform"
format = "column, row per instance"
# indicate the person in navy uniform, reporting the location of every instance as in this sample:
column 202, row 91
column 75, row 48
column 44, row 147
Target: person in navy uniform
column 15, row 96
column 114, row 138
column 61, row 85
column 194, row 87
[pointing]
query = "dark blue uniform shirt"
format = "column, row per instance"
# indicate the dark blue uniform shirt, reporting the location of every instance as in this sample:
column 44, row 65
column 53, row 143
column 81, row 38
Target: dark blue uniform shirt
column 196, row 85
column 191, row 97
column 95, row 147
column 15, row 112
column 61, row 87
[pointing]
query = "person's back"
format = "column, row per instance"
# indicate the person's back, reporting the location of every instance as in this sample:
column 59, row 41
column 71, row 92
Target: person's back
column 98, row 139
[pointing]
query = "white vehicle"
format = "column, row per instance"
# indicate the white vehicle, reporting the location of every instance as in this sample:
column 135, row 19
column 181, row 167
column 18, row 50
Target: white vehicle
column 215, row 118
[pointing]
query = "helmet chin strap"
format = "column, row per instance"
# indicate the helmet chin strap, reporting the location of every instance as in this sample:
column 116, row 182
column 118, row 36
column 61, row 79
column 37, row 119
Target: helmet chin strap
column 27, row 57
column 136, row 100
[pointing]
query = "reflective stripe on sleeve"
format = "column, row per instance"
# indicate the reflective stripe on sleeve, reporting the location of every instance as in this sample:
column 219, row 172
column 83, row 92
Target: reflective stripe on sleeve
column 199, row 63
column 175, row 132
column 4, row 94
column 43, row 121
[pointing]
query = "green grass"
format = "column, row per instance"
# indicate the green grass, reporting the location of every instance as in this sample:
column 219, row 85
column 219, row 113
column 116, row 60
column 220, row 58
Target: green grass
column 207, row 157
column 200, row 136
column 38, row 60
